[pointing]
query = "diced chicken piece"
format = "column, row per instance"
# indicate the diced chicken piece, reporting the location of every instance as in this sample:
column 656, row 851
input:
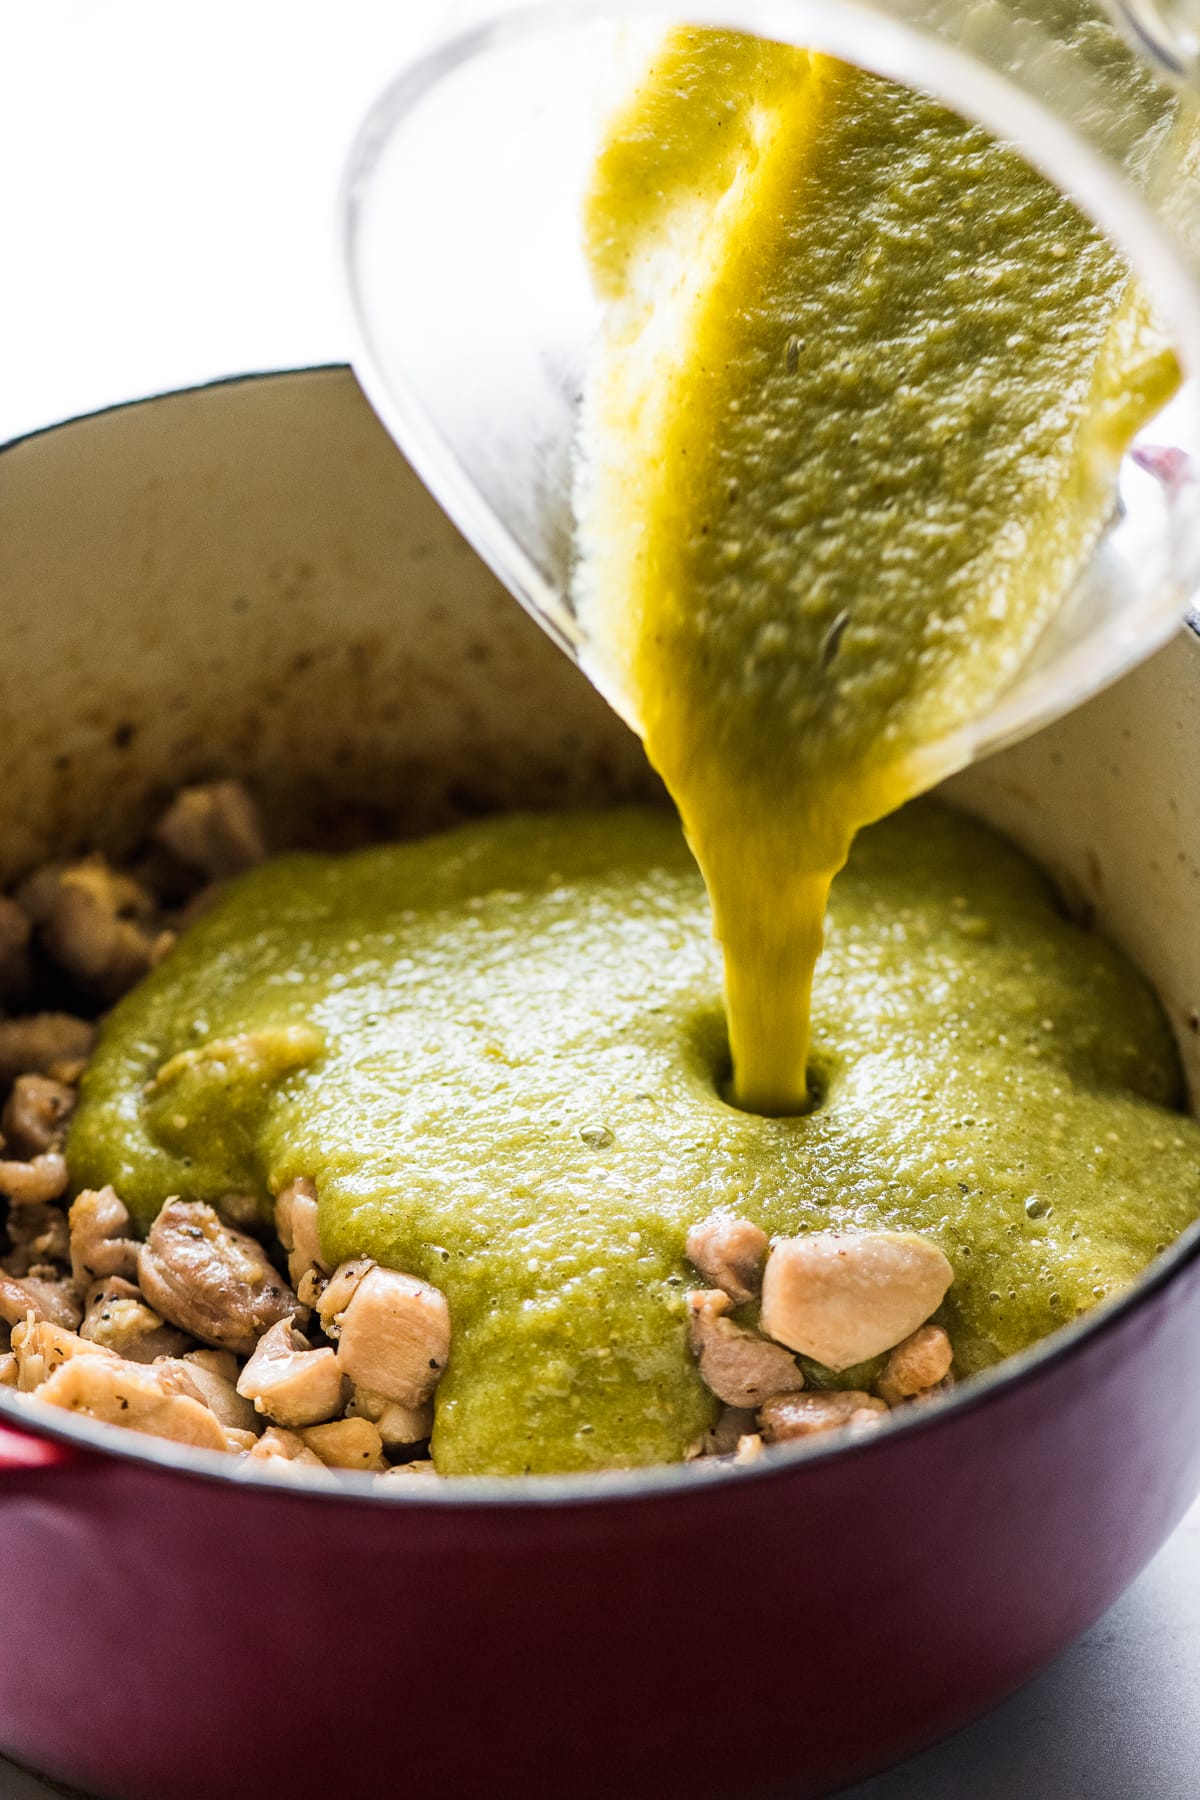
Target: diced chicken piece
column 213, row 828
column 730, row 1254
column 16, row 928
column 284, row 1446
column 38, row 1235
column 310, row 1289
column 36, row 1182
column 101, row 1241
column 212, row 1282
column 735, row 1364
column 338, row 1291
column 842, row 1297
column 43, row 1044
column 119, row 1318
column 35, row 1115
column 792, row 1416
column 749, row 1449
column 290, row 1382
column 45, row 1300
column 55, row 1299
column 222, row 1363
column 133, row 1396
column 9, row 1371
column 398, row 1426
column 41, row 1348
column 96, row 922
column 296, row 1228
column 392, row 1332
column 347, row 1444
column 722, row 1439
column 921, row 1362
column 185, row 1375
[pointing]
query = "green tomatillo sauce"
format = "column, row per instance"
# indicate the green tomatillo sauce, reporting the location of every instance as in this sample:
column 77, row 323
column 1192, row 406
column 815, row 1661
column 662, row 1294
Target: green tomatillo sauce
column 501, row 1052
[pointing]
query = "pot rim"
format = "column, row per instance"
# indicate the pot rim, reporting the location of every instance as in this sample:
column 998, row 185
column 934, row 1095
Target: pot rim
column 661, row 1482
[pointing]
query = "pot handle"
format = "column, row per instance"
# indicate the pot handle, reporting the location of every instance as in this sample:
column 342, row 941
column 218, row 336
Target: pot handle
column 21, row 1452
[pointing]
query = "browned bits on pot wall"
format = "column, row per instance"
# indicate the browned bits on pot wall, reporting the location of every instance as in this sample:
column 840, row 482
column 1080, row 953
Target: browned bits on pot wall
column 16, row 969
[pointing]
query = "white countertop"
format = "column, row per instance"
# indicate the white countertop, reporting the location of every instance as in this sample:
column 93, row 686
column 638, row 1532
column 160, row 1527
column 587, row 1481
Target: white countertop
column 166, row 216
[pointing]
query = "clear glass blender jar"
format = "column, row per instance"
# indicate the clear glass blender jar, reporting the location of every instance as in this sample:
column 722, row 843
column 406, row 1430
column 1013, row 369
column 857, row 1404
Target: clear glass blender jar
column 476, row 316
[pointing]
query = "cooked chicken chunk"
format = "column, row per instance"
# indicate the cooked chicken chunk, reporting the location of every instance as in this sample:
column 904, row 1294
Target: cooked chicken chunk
column 296, row 1228
column 804, row 1415
column 213, row 828
column 135, row 1397
column 38, row 1235
column 921, row 1362
column 215, row 1283
column 43, row 1044
column 222, row 1363
column 8, row 1369
column 290, row 1382
column 41, row 1347
column 398, row 1426
column 842, row 1297
column 45, row 1300
column 336, row 1294
column 347, row 1444
column 189, row 1375
column 735, row 1364
column 96, row 922
column 392, row 1331
column 119, row 1318
column 35, row 1115
column 101, row 1240
column 285, row 1447
column 722, row 1439
column 730, row 1254
column 33, row 1183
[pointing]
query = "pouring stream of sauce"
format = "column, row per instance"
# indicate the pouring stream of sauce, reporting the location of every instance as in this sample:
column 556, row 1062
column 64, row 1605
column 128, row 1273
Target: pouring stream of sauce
column 853, row 430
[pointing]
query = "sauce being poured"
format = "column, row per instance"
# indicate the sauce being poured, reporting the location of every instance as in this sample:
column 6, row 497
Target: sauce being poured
column 853, row 430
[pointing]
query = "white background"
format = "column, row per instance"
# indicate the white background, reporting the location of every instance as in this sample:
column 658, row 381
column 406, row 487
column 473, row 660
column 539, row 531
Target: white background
column 168, row 175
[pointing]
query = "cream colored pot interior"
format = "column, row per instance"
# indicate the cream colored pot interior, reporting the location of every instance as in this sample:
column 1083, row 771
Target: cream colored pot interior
column 247, row 578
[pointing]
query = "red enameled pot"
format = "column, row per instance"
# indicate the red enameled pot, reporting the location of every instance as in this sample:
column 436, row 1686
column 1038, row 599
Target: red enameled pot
column 247, row 578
